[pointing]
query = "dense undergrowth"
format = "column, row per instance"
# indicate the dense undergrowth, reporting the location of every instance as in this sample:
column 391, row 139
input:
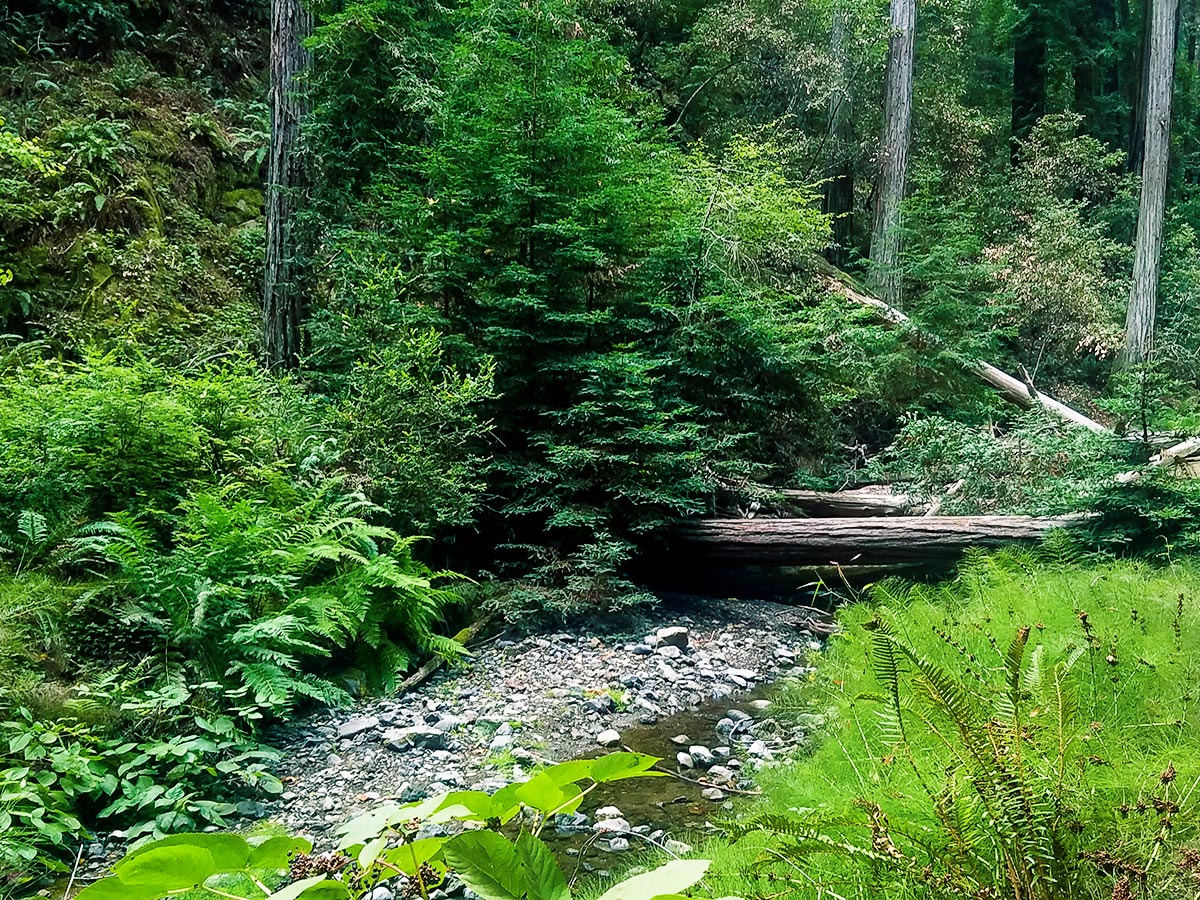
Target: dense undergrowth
column 559, row 295
column 1030, row 729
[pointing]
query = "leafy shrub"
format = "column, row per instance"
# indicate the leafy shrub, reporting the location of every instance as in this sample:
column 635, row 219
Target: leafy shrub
column 1037, row 466
column 161, row 767
column 78, row 441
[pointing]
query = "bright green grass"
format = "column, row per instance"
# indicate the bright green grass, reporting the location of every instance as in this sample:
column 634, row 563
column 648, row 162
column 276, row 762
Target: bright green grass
column 1132, row 710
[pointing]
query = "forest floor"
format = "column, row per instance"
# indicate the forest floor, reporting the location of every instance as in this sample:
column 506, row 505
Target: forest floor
column 523, row 700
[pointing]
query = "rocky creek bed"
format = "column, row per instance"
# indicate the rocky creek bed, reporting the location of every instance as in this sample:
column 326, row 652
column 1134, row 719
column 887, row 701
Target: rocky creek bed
column 687, row 682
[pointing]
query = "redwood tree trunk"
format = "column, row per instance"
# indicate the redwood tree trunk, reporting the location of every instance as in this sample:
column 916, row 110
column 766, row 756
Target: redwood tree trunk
column 839, row 183
column 897, row 134
column 283, row 306
column 1143, row 297
column 1029, row 73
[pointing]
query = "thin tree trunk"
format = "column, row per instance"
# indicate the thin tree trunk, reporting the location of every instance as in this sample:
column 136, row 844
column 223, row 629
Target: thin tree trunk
column 283, row 306
column 839, row 184
column 897, row 134
column 1029, row 74
column 1143, row 297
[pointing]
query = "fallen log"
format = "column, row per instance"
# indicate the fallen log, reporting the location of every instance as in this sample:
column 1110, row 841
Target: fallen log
column 1012, row 389
column 873, row 541
column 870, row 501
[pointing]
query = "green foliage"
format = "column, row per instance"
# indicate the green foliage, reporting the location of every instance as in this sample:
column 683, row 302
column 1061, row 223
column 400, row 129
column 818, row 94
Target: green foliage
column 163, row 766
column 78, row 441
column 413, row 434
column 256, row 590
column 1029, row 730
column 383, row 843
column 1038, row 466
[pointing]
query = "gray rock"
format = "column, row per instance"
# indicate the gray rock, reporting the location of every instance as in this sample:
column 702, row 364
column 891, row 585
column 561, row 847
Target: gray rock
column 609, row 738
column 617, row 845
column 421, row 737
column 357, row 726
column 713, row 794
column 679, row 848
column 722, row 753
column 760, row 705
column 681, row 740
column 669, row 651
column 760, row 750
column 720, row 773
column 675, row 636
column 500, row 742
column 701, row 756
column 573, row 823
column 725, row 726
column 642, row 650
column 685, row 760
column 603, row 705
column 381, row 893
column 607, row 812
column 737, row 715
column 667, row 672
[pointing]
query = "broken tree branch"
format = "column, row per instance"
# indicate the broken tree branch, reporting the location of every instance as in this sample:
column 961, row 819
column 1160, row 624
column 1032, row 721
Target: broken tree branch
column 1012, row 389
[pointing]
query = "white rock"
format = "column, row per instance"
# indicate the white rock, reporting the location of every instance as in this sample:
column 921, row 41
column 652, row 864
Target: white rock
column 357, row 726
column 608, row 812
column 610, row 737
column 614, row 825
column 713, row 794
column 685, row 760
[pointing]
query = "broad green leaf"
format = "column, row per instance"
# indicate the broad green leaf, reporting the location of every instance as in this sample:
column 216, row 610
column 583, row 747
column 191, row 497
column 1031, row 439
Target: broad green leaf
column 167, row 868
column 488, row 864
column 545, row 879
column 229, row 851
column 677, row 875
column 541, row 793
column 410, row 857
column 616, row 766
column 369, row 853
column 573, row 770
column 367, row 826
column 274, row 853
column 113, row 888
column 471, row 804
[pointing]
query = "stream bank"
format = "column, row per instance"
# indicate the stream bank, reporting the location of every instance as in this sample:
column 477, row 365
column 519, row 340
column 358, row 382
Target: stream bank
column 687, row 682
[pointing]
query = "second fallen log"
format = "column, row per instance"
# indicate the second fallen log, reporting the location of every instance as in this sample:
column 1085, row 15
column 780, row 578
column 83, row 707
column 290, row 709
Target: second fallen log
column 869, row 541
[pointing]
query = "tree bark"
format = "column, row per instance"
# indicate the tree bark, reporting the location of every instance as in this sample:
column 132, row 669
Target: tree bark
column 897, row 135
column 282, row 305
column 869, row 541
column 839, row 175
column 1143, row 297
column 1029, row 73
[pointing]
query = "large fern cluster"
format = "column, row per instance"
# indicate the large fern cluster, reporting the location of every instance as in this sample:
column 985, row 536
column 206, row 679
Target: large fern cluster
column 255, row 594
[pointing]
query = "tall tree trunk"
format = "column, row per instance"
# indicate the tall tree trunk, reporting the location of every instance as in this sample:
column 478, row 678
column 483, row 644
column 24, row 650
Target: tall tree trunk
column 283, row 306
column 1143, row 297
column 1029, row 73
column 839, row 175
column 897, row 134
